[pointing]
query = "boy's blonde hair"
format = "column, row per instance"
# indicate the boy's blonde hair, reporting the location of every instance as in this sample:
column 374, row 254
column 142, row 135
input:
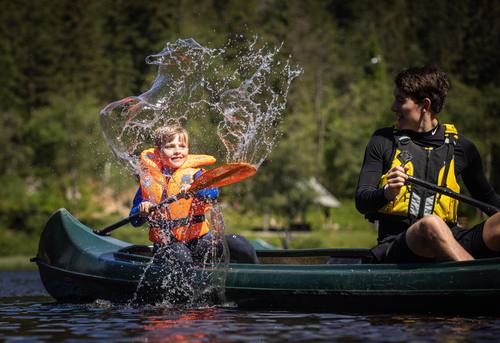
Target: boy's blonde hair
column 166, row 134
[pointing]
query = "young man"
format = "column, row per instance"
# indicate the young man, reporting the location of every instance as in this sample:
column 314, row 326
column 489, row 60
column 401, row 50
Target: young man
column 416, row 224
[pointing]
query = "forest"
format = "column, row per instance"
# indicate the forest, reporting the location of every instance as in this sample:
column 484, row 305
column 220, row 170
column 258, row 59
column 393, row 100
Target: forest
column 62, row 61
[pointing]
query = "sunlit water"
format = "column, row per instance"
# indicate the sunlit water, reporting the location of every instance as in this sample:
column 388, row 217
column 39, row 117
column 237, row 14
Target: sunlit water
column 27, row 313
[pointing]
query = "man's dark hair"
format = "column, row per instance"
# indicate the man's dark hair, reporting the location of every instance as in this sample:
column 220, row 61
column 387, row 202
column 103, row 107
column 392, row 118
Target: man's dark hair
column 424, row 82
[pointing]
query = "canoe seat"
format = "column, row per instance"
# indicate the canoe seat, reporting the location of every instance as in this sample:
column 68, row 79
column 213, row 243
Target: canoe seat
column 314, row 256
column 143, row 250
column 345, row 260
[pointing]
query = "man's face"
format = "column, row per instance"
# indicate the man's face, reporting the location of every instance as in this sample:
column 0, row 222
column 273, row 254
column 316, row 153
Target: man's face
column 174, row 153
column 408, row 112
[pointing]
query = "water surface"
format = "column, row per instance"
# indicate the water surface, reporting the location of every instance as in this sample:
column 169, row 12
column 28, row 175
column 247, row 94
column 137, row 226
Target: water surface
column 28, row 313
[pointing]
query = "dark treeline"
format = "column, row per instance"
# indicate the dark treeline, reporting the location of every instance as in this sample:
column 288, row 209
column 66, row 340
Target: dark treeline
column 61, row 61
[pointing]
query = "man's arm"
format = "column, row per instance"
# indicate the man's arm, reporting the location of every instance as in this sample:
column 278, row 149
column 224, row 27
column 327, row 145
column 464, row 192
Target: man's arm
column 474, row 178
column 368, row 197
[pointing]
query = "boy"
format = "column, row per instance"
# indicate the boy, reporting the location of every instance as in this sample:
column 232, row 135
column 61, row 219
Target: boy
column 169, row 169
column 166, row 170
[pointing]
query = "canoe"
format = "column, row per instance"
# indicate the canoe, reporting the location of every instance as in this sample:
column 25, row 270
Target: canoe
column 76, row 265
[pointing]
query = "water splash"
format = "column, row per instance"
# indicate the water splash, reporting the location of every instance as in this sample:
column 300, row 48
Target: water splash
column 177, row 276
column 177, row 90
column 241, row 88
column 239, row 92
column 252, row 111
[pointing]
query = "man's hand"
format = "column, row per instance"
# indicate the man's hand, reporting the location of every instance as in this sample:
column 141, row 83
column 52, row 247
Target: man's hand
column 396, row 178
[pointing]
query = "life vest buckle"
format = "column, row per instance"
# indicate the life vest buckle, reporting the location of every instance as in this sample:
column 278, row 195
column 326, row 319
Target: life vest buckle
column 404, row 157
column 404, row 140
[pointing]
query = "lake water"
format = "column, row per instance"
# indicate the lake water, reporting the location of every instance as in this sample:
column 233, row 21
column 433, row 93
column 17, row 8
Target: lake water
column 27, row 313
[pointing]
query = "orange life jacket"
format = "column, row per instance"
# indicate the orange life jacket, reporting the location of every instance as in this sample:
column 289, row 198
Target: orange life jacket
column 184, row 218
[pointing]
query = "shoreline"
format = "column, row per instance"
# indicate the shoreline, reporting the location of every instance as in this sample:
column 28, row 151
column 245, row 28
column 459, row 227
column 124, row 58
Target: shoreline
column 17, row 262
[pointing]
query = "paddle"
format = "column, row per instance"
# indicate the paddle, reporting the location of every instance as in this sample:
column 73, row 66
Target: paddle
column 486, row 208
column 405, row 157
column 222, row 175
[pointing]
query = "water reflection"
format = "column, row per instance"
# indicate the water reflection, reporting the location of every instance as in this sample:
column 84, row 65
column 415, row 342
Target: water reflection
column 167, row 326
column 35, row 317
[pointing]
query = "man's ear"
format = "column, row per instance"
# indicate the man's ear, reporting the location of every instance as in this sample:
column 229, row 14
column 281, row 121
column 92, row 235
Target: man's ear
column 426, row 104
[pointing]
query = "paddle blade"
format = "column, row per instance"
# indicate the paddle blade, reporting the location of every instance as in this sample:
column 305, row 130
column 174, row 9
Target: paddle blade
column 223, row 175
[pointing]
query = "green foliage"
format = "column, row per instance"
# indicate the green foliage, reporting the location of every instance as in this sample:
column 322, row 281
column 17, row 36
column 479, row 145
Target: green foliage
column 356, row 114
column 348, row 218
column 337, row 239
column 17, row 243
column 133, row 235
column 277, row 185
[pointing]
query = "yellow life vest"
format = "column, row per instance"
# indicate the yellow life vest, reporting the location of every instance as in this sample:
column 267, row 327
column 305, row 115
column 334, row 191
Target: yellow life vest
column 433, row 165
column 184, row 218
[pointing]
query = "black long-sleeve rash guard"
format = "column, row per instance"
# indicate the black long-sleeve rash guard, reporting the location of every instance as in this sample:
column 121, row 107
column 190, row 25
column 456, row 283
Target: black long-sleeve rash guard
column 377, row 161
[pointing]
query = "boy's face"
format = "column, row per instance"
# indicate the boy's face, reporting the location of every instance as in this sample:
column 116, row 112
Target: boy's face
column 408, row 112
column 174, row 153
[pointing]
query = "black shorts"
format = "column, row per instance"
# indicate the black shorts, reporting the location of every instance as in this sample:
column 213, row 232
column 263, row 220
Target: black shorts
column 393, row 249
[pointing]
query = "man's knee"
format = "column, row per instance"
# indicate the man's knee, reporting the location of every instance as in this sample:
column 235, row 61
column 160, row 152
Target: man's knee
column 494, row 222
column 491, row 232
column 431, row 228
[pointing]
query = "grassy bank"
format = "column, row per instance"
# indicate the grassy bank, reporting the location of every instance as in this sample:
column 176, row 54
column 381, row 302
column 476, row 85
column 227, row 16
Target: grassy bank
column 342, row 227
column 18, row 262
column 16, row 249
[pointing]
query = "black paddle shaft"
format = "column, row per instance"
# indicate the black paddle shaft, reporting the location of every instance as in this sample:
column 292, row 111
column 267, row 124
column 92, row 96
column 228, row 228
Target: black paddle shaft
column 127, row 220
column 405, row 156
column 486, row 208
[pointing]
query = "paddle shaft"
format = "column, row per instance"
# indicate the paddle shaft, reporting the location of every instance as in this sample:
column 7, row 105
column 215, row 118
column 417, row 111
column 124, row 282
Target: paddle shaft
column 487, row 208
column 127, row 220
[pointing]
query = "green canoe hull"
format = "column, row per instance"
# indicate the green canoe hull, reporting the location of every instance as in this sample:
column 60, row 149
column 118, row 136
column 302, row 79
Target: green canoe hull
column 76, row 265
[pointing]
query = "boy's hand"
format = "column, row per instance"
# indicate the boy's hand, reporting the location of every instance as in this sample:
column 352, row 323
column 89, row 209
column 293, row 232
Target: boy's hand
column 396, row 178
column 145, row 208
column 185, row 188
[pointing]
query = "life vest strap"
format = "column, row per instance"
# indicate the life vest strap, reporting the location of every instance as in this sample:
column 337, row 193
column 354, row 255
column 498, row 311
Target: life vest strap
column 172, row 224
column 451, row 136
column 450, row 129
